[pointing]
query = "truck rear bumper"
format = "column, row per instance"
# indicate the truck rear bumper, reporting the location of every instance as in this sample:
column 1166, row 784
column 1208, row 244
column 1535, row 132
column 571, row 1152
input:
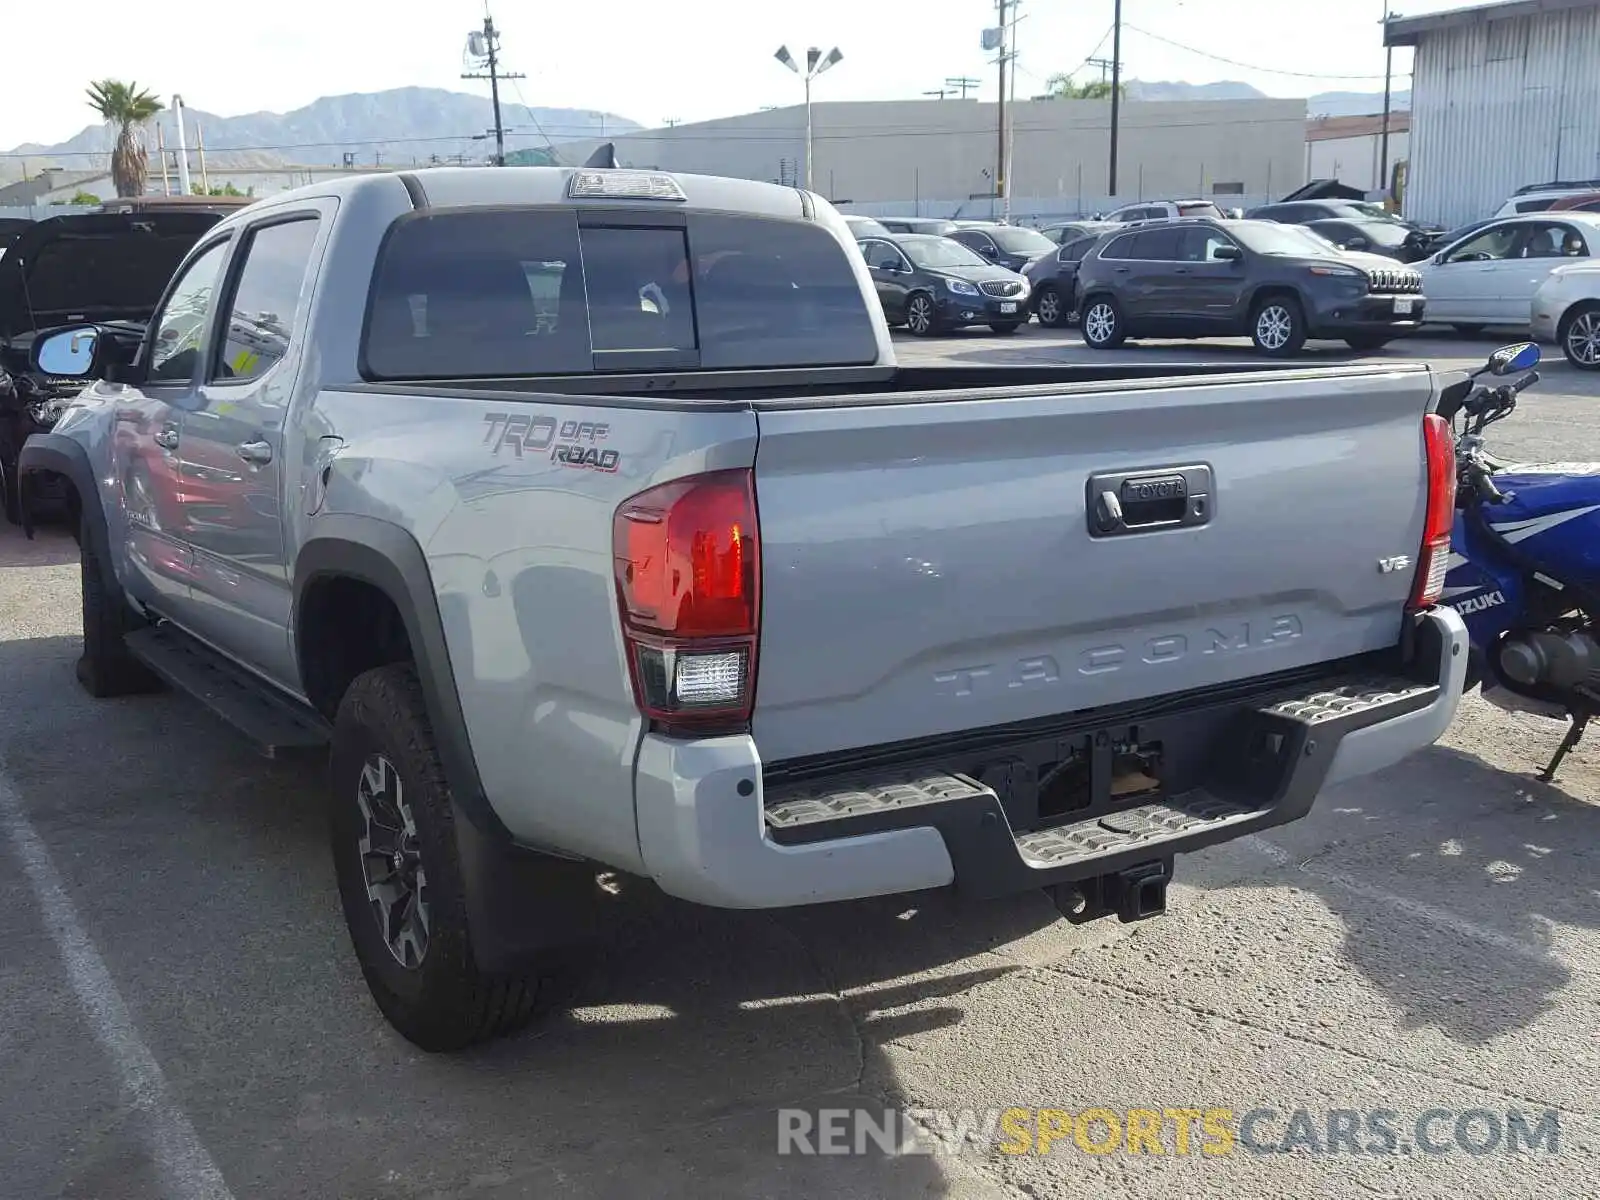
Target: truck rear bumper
column 711, row 832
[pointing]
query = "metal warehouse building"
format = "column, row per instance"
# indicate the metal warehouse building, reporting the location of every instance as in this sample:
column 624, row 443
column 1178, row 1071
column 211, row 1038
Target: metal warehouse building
column 1502, row 95
column 934, row 155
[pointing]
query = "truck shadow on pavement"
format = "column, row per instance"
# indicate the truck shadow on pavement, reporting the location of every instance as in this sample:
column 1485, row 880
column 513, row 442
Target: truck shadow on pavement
column 48, row 548
column 201, row 873
column 1461, row 888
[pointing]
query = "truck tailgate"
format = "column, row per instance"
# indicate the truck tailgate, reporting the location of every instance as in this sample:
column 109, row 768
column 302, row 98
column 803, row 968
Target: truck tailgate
column 930, row 566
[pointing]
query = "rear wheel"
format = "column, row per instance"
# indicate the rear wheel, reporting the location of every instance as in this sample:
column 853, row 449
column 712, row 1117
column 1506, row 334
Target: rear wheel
column 1579, row 335
column 1102, row 324
column 1277, row 326
column 1367, row 342
column 1051, row 307
column 400, row 879
column 922, row 319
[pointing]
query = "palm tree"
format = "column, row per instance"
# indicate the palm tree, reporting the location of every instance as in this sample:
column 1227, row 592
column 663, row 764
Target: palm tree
column 1063, row 87
column 127, row 107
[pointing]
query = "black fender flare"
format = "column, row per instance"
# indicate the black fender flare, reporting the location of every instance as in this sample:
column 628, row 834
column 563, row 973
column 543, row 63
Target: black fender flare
column 66, row 457
column 382, row 554
column 520, row 901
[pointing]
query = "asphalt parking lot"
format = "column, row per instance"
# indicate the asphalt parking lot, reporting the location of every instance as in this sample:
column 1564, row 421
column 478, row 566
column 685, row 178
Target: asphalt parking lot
column 182, row 1016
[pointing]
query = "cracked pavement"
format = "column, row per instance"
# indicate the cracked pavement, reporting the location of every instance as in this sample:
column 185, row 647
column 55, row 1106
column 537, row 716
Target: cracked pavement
column 1425, row 939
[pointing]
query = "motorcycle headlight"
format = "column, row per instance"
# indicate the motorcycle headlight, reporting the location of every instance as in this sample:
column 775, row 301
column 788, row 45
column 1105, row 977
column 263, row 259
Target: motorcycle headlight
column 961, row 287
column 48, row 412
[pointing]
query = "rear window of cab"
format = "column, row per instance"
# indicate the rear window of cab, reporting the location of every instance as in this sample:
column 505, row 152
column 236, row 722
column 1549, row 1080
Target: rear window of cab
column 485, row 293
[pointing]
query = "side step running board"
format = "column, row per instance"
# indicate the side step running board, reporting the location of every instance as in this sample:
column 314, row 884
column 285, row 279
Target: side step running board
column 272, row 722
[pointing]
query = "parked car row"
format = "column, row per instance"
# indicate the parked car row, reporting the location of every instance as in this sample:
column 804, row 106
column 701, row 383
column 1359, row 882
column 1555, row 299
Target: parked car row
column 1340, row 269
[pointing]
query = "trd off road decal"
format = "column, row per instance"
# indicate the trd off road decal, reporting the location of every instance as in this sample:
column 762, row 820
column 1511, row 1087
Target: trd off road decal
column 569, row 443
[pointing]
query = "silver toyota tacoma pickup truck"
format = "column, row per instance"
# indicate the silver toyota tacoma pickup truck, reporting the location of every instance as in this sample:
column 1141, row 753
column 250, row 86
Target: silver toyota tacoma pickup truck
column 586, row 520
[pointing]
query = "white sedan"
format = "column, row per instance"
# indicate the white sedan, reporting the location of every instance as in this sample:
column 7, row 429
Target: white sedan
column 1489, row 277
column 1566, row 309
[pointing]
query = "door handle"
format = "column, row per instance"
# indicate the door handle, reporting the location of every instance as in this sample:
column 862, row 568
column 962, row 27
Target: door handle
column 256, row 453
column 166, row 438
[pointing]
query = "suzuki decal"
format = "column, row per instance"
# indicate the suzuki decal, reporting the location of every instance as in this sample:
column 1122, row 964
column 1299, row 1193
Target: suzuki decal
column 1474, row 604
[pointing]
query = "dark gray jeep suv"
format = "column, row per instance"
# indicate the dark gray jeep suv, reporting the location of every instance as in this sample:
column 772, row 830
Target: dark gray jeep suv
column 1276, row 284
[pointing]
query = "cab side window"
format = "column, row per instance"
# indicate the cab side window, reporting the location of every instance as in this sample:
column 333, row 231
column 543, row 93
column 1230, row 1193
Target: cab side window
column 178, row 333
column 265, row 300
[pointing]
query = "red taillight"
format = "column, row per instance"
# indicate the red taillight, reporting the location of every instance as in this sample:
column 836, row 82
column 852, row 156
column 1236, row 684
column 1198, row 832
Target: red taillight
column 688, row 565
column 1439, row 448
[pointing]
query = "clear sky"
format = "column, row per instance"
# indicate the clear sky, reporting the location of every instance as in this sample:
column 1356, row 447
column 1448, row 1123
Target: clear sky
column 651, row 60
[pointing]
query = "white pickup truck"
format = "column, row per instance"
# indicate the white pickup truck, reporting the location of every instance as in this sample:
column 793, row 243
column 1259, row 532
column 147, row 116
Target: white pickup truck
column 587, row 517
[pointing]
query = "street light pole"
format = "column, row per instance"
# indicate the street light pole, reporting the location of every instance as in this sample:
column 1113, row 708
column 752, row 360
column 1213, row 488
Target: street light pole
column 1383, row 138
column 809, row 155
column 816, row 64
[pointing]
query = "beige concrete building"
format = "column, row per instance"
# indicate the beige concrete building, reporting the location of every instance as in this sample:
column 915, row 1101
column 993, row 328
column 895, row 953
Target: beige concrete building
column 937, row 154
column 1350, row 149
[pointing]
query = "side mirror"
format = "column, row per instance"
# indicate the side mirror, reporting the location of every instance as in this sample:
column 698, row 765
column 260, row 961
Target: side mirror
column 1227, row 254
column 69, row 353
column 1437, row 258
column 1508, row 360
column 1355, row 243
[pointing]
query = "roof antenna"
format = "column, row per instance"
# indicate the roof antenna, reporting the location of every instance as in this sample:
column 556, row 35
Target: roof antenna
column 605, row 155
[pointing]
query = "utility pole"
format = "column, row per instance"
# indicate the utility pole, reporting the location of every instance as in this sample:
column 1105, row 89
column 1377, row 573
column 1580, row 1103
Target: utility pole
column 1000, row 124
column 1383, row 138
column 961, row 83
column 941, row 93
column 1105, row 67
column 486, row 45
column 1116, row 92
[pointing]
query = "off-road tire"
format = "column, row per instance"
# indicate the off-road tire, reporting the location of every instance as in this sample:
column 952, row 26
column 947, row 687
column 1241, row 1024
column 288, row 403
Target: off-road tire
column 443, row 1003
column 1290, row 308
column 106, row 668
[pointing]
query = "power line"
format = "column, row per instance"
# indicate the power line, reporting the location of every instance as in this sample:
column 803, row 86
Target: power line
column 1233, row 62
column 549, row 145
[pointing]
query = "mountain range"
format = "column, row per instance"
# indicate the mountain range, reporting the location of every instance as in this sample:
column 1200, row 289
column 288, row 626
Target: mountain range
column 401, row 125
column 416, row 124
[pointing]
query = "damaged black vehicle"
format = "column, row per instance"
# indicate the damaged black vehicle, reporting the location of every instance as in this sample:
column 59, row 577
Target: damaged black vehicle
column 104, row 269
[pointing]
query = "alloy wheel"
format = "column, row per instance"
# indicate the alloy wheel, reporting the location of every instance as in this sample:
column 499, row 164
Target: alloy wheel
column 391, row 862
column 1583, row 339
column 919, row 315
column 1050, row 307
column 1274, row 327
column 1099, row 323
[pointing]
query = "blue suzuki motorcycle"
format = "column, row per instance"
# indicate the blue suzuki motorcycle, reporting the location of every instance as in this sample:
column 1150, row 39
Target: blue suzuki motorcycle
column 1524, row 568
